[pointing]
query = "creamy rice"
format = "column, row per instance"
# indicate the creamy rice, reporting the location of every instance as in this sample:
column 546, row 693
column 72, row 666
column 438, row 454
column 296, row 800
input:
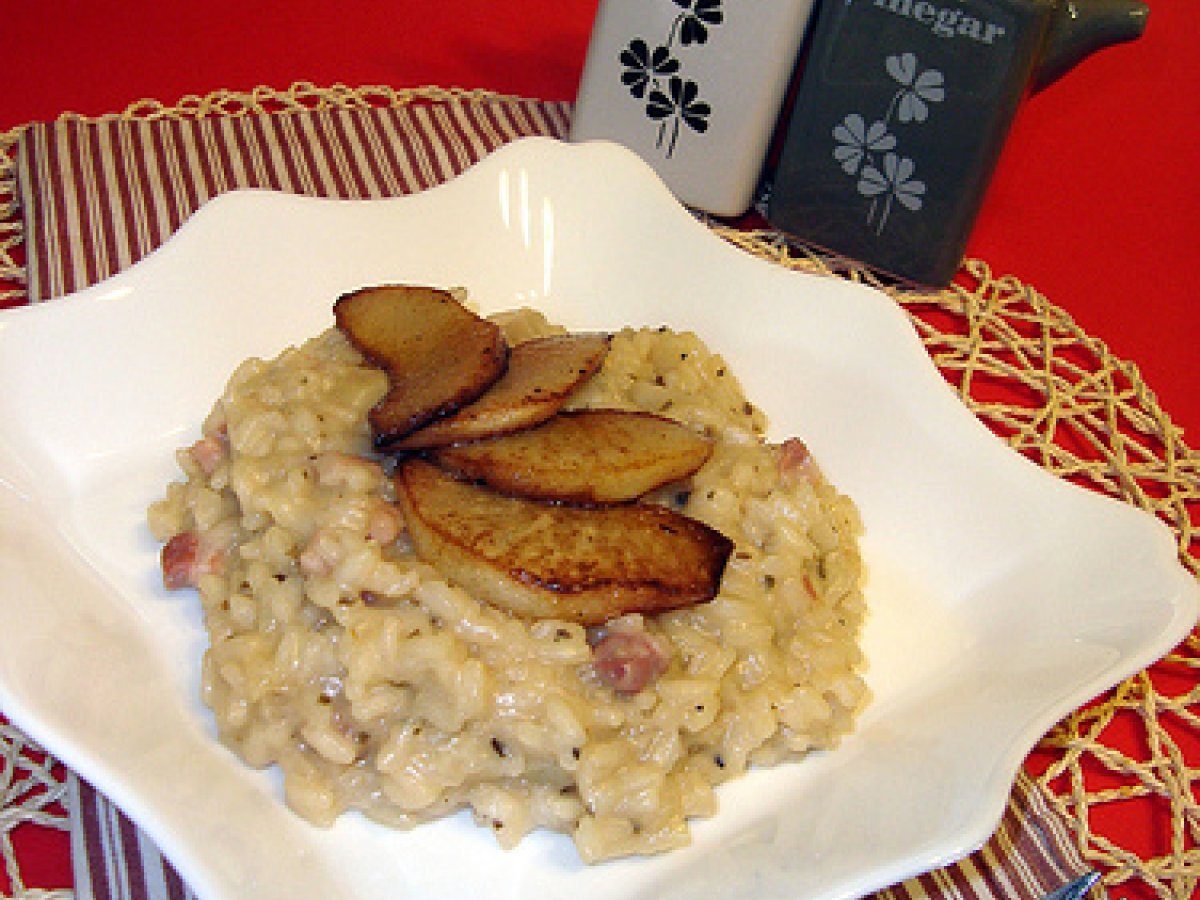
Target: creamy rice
column 377, row 686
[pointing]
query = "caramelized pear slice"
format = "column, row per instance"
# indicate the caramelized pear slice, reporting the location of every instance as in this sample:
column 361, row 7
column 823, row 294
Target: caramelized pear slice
column 548, row 561
column 438, row 355
column 541, row 376
column 584, row 456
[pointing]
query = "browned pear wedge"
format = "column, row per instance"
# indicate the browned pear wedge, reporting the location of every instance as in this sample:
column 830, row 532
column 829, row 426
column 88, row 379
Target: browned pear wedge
column 549, row 561
column 541, row 376
column 438, row 355
column 584, row 456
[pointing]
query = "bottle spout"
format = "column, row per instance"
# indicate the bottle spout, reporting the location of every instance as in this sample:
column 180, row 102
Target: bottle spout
column 1078, row 28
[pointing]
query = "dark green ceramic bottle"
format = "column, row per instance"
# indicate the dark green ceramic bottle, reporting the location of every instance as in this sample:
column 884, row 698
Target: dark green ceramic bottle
column 901, row 112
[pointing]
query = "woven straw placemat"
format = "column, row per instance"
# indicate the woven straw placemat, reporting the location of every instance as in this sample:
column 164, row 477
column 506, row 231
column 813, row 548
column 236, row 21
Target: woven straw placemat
column 1026, row 370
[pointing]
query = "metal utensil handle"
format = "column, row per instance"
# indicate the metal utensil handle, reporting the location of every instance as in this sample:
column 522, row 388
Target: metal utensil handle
column 1076, row 889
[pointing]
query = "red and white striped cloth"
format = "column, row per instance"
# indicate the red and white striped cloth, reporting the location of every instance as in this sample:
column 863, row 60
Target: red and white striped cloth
column 111, row 858
column 98, row 196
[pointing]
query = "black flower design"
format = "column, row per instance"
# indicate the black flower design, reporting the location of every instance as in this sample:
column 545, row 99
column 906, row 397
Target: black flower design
column 642, row 65
column 700, row 15
column 682, row 99
column 655, row 75
column 680, row 102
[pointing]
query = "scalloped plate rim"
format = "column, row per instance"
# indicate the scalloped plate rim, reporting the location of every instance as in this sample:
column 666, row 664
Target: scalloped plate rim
column 22, row 487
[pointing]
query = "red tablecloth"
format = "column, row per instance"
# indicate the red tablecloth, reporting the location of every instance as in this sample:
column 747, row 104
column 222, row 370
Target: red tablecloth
column 1094, row 202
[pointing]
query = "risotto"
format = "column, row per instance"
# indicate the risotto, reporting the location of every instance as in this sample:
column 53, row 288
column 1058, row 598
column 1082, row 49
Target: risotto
column 376, row 685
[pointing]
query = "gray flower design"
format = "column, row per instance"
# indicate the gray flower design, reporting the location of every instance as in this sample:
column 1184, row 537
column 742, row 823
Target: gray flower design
column 894, row 182
column 856, row 141
column 917, row 88
column 868, row 152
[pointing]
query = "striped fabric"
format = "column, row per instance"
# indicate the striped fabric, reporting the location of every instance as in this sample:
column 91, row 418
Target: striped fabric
column 98, row 196
column 112, row 859
column 1030, row 854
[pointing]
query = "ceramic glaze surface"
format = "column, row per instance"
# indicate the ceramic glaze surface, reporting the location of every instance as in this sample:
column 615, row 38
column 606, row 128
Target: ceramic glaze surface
column 902, row 112
column 694, row 88
column 1000, row 597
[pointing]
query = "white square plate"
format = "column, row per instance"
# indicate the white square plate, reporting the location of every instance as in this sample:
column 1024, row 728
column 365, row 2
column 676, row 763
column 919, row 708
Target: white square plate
column 1000, row 597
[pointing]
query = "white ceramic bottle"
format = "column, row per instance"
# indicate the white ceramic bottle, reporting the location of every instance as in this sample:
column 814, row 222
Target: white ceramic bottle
column 694, row 87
